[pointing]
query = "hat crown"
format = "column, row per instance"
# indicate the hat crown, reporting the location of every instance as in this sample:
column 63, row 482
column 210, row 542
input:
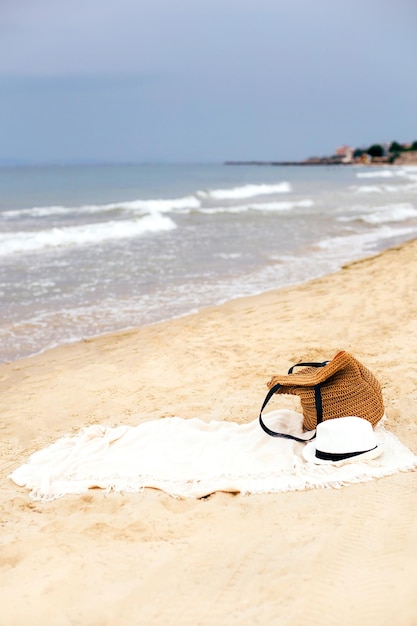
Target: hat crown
column 345, row 435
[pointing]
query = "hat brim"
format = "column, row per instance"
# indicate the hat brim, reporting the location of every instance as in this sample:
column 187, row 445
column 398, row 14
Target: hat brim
column 309, row 454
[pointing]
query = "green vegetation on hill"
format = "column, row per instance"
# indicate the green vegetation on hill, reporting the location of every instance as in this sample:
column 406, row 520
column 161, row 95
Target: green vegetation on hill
column 389, row 153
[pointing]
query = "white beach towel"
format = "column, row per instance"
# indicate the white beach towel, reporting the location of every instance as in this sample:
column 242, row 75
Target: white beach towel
column 192, row 458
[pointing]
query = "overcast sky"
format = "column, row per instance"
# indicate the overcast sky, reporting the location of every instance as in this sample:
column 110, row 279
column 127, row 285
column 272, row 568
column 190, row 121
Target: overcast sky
column 204, row 80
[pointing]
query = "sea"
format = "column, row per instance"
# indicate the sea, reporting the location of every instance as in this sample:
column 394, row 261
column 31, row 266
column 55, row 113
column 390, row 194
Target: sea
column 91, row 249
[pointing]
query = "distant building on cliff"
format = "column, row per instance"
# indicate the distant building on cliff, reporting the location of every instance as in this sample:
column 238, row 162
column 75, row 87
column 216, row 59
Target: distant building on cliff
column 344, row 154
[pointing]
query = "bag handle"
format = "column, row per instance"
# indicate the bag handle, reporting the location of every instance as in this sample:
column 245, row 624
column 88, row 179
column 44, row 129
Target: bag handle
column 319, row 406
column 315, row 364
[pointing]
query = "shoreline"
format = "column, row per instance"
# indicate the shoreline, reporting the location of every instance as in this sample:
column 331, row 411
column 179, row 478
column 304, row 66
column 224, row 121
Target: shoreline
column 227, row 559
column 196, row 311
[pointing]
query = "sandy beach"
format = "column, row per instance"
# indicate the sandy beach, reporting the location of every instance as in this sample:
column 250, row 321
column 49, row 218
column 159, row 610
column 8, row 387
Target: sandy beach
column 322, row 556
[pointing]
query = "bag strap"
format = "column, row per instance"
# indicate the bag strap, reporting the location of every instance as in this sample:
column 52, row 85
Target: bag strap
column 317, row 397
column 290, row 371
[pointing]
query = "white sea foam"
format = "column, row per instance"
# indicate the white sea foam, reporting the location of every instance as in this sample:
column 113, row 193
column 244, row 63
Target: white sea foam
column 145, row 206
column 229, row 255
column 389, row 172
column 82, row 235
column 380, row 188
column 369, row 189
column 387, row 188
column 45, row 211
column 163, row 206
column 281, row 206
column 258, row 206
column 245, row 191
column 377, row 174
column 410, row 171
column 385, row 214
column 360, row 243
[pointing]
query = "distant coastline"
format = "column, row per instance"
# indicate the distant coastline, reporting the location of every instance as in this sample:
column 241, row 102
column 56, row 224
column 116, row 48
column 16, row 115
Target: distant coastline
column 322, row 161
column 409, row 159
column 392, row 153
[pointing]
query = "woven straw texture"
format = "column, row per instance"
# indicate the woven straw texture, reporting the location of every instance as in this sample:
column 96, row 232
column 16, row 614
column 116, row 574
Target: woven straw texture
column 347, row 388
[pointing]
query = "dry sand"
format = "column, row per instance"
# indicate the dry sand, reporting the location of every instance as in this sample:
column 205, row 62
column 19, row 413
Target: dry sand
column 325, row 557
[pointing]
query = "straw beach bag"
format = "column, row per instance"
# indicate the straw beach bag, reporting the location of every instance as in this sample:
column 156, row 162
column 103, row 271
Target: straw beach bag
column 336, row 388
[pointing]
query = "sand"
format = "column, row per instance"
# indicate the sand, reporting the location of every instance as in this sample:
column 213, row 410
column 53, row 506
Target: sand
column 322, row 556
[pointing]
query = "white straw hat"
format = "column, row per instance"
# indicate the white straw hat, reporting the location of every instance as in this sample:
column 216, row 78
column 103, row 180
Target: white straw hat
column 343, row 440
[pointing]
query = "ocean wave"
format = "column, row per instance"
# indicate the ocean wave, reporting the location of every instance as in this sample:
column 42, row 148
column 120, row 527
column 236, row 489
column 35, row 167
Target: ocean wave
column 385, row 214
column 258, row 206
column 281, row 206
column 70, row 236
column 43, row 211
column 245, row 191
column 379, row 174
column 145, row 206
column 163, row 206
column 390, row 172
column 361, row 242
column 383, row 188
